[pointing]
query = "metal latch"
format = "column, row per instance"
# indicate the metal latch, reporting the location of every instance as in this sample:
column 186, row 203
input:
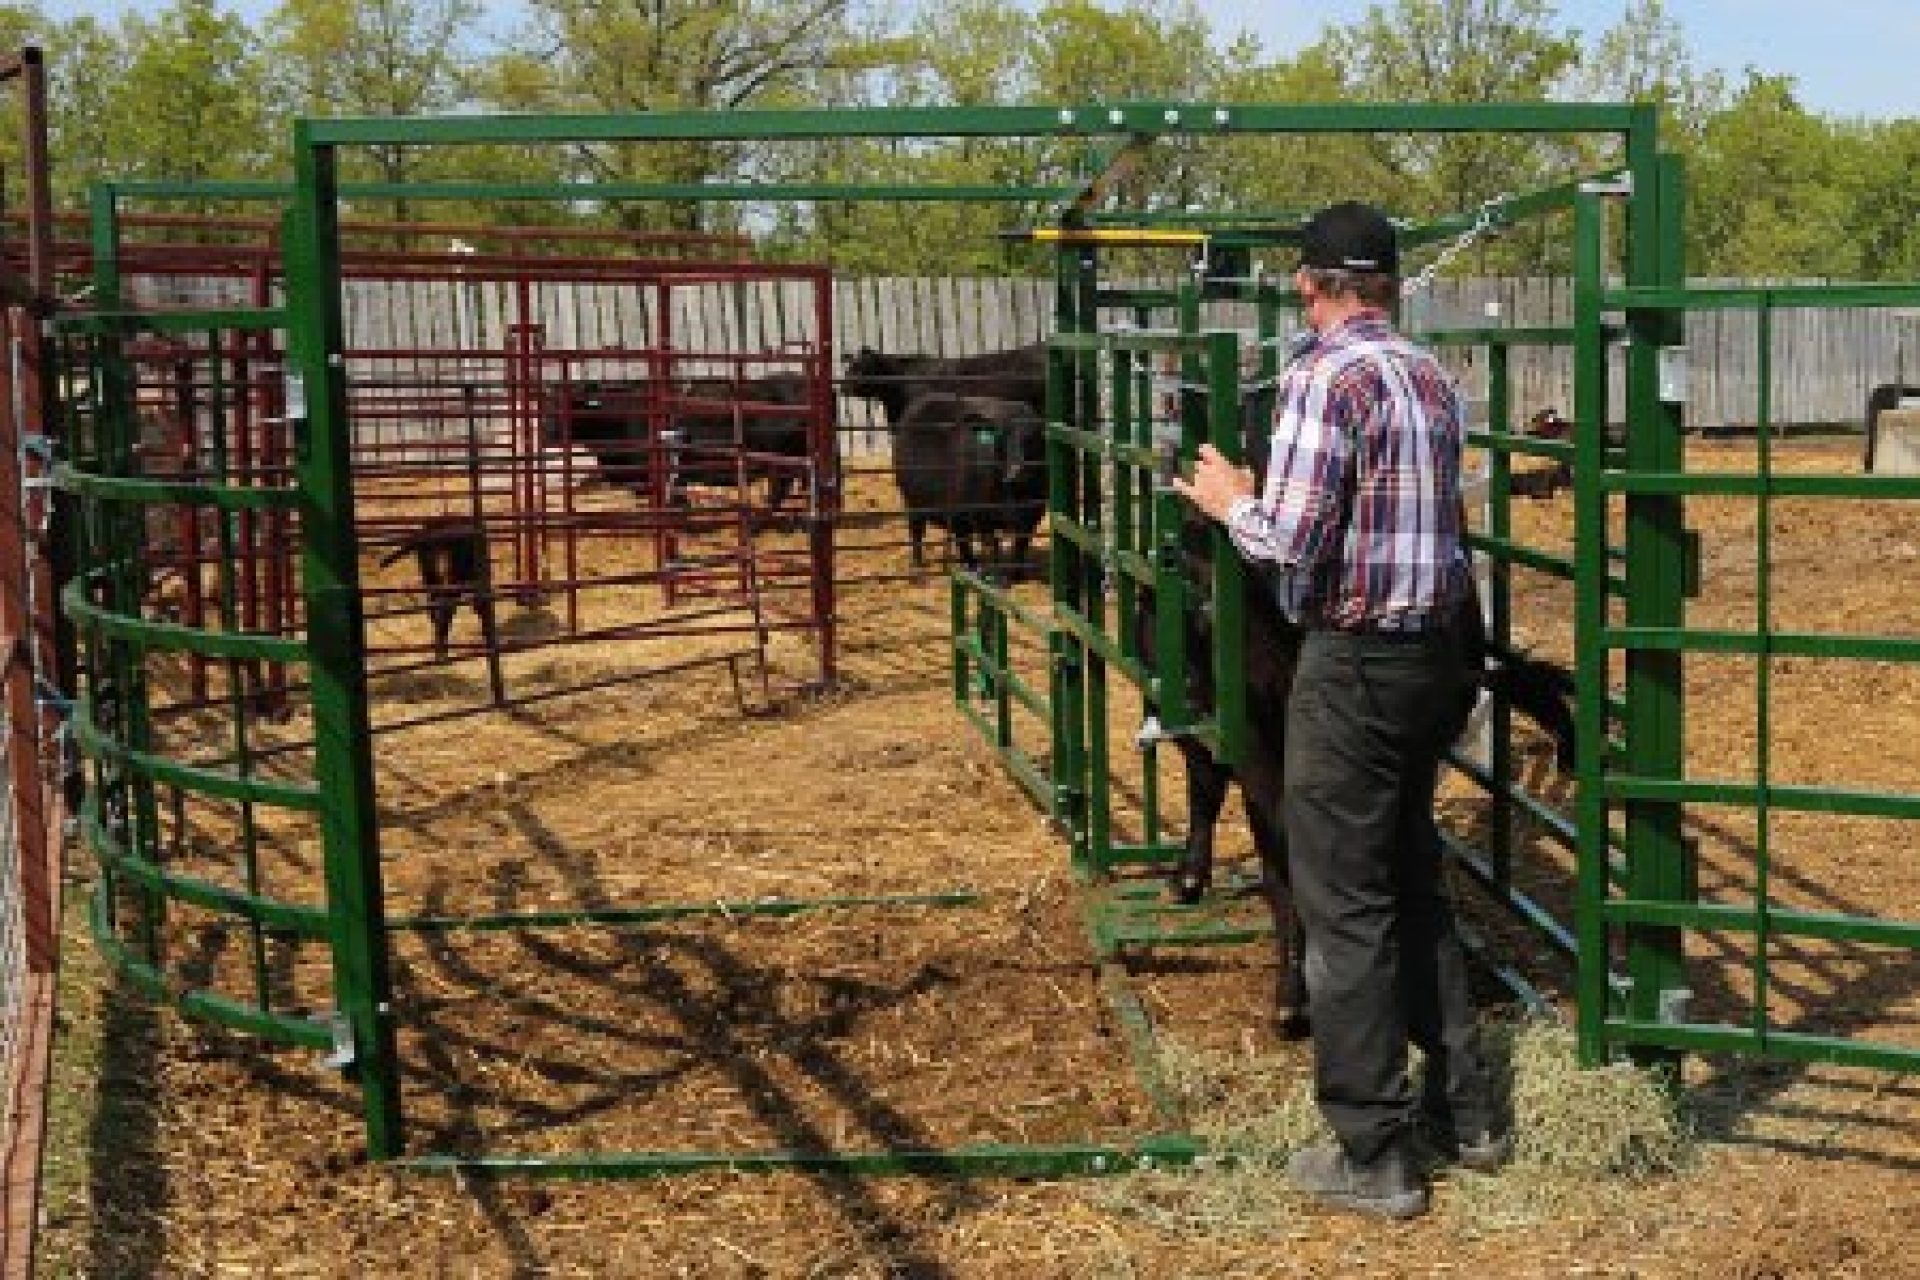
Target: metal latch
column 343, row 1055
column 1620, row 184
column 1671, row 364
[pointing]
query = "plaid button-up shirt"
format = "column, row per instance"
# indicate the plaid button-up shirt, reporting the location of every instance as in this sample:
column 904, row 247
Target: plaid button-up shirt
column 1360, row 509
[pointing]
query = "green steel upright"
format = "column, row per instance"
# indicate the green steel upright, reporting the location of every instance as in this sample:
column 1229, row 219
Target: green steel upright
column 317, row 400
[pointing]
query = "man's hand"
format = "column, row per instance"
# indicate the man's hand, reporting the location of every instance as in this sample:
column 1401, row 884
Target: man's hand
column 1216, row 485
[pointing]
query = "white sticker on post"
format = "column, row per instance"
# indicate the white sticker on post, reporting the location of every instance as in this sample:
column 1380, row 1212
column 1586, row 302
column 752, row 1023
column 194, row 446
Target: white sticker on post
column 1673, row 375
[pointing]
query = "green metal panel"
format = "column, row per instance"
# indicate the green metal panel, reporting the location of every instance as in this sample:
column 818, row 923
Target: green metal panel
column 330, row 576
column 173, row 636
column 1785, row 1046
column 1590, row 615
column 307, row 921
column 110, row 320
column 1120, row 119
column 175, row 492
column 159, row 986
column 1657, row 855
column 983, row 1161
column 1673, row 295
column 149, row 767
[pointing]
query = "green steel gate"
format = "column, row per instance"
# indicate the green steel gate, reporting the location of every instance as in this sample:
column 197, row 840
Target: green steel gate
column 1114, row 540
column 1636, row 903
column 164, row 764
column 1644, row 788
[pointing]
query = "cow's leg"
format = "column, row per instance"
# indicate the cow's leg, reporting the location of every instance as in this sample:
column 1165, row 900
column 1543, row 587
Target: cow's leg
column 1290, row 1019
column 1261, row 777
column 1022, row 543
column 917, row 540
column 963, row 543
column 1207, row 781
column 438, row 572
column 442, row 604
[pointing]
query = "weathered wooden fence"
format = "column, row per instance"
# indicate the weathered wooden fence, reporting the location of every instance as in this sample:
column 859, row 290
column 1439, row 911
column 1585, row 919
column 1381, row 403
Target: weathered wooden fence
column 1824, row 362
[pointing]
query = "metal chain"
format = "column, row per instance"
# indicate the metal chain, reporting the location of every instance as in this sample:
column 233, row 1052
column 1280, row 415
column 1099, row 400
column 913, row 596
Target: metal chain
column 1484, row 223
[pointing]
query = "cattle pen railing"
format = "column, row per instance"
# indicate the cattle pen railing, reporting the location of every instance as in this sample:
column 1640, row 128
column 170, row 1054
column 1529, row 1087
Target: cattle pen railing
column 1628, row 777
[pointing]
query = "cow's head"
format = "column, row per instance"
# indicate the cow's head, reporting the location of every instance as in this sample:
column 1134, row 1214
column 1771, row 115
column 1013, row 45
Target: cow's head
column 871, row 374
column 1547, row 424
column 1015, row 434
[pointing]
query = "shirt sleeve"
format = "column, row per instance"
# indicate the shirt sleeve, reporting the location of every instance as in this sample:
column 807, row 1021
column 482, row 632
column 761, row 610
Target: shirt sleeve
column 1289, row 524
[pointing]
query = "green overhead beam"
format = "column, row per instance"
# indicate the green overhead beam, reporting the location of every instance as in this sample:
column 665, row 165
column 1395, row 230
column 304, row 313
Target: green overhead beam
column 1160, row 118
column 718, row 191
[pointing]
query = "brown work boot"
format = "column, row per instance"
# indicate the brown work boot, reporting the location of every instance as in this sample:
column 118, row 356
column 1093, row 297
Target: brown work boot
column 1388, row 1186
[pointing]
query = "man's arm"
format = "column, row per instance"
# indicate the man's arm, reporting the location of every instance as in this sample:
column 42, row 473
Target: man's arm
column 1289, row 522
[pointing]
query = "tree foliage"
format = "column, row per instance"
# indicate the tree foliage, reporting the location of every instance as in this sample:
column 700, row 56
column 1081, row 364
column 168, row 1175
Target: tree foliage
column 191, row 92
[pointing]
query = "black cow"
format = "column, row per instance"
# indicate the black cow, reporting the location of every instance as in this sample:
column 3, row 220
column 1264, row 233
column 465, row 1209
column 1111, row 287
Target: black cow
column 974, row 466
column 609, row 420
column 1272, row 647
column 1019, row 373
column 451, row 554
column 896, row 381
column 708, row 423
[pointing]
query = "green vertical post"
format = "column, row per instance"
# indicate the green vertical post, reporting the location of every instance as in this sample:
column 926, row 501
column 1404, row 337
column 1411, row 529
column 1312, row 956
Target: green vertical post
column 1133, row 528
column 1229, row 584
column 1763, row 683
column 1589, row 619
column 330, row 570
column 957, row 628
column 1064, row 576
column 1655, row 570
column 1094, row 575
column 1500, row 610
column 120, row 549
column 1002, row 652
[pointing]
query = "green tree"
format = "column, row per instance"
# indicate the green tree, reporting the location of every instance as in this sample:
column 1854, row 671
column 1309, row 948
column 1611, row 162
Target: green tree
column 1644, row 58
column 1458, row 51
column 192, row 102
column 1882, row 197
column 609, row 55
column 1766, row 194
column 376, row 58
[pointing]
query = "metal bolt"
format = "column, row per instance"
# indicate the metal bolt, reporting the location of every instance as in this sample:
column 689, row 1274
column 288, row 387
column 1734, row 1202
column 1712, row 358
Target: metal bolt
column 1173, row 115
column 1116, row 116
column 1066, row 115
column 1221, row 115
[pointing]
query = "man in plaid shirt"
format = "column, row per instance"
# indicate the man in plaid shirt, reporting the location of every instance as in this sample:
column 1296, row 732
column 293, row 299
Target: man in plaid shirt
column 1360, row 515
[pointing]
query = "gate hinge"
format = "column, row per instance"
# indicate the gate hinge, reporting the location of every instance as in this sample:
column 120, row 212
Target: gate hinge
column 1673, row 1005
column 1619, row 184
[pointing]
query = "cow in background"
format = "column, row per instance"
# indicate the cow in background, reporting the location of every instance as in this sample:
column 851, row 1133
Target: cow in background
column 895, row 382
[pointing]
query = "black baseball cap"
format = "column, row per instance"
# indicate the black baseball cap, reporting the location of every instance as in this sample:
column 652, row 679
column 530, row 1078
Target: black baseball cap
column 1350, row 236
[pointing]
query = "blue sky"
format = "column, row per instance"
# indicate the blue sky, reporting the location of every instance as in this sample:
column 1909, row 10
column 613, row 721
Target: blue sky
column 1851, row 57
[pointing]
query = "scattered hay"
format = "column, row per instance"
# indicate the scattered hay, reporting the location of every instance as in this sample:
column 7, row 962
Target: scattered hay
column 1253, row 1109
column 1613, row 1122
column 1586, row 1141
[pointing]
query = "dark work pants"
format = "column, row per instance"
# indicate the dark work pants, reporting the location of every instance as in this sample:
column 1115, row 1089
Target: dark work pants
column 1366, row 724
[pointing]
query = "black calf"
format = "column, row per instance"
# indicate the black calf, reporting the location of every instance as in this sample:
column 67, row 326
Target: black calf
column 452, row 556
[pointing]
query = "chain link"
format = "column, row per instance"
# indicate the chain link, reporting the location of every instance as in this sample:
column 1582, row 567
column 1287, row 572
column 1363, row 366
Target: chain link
column 1485, row 222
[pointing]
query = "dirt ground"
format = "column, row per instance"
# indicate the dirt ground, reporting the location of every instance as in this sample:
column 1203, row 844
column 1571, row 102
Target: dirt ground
column 181, row 1151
